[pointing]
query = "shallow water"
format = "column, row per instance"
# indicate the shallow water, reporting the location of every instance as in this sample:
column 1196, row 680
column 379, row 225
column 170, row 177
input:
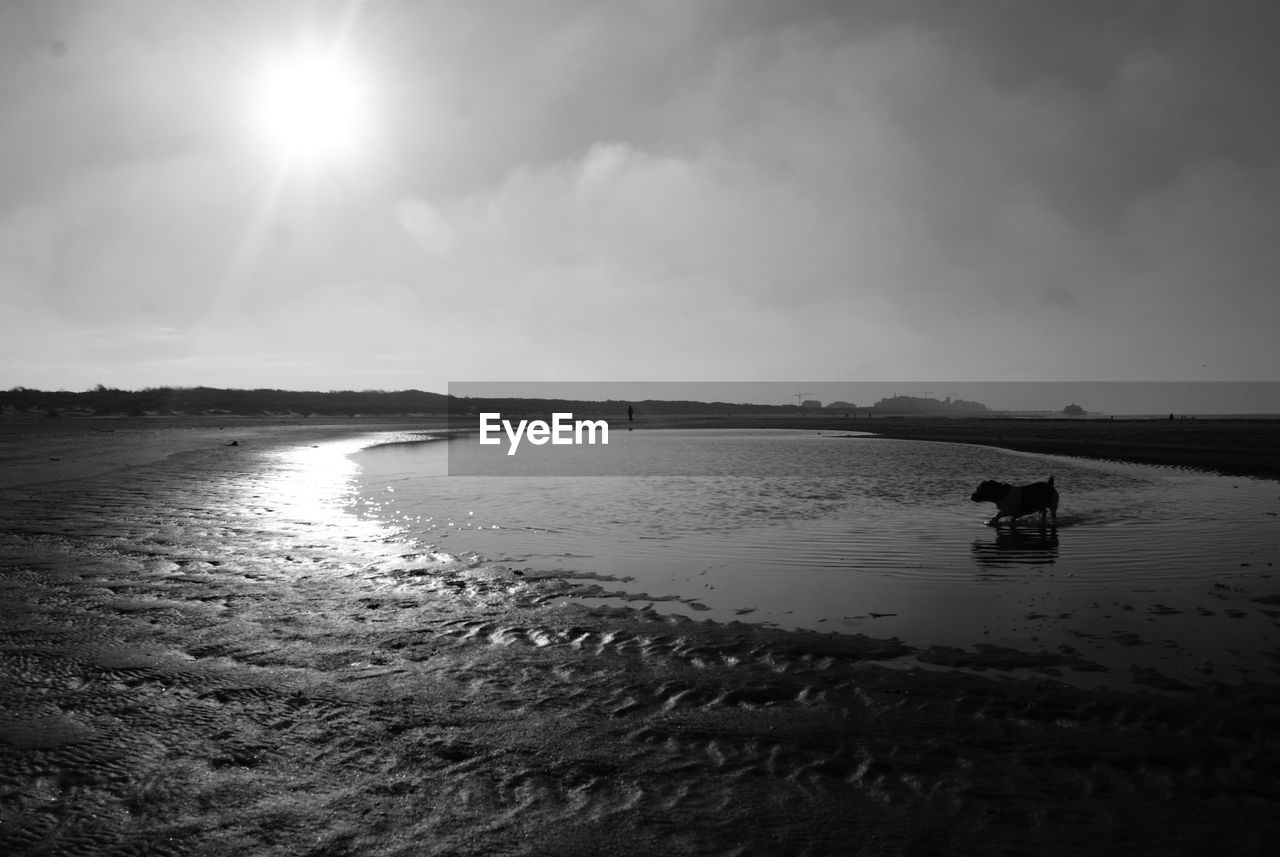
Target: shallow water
column 1148, row 567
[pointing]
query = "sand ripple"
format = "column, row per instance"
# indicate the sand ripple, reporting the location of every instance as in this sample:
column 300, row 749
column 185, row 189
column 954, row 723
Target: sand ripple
column 193, row 660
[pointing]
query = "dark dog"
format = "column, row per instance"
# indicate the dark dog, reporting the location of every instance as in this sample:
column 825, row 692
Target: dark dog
column 1014, row 502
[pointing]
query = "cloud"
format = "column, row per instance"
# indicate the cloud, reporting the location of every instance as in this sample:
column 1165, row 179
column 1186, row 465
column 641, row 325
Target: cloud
column 427, row 228
column 690, row 190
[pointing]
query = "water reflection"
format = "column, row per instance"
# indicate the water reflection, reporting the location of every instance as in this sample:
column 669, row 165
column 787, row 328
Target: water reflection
column 1014, row 546
column 312, row 487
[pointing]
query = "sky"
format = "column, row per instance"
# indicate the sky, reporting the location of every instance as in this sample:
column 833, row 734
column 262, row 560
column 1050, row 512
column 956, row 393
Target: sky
column 722, row 190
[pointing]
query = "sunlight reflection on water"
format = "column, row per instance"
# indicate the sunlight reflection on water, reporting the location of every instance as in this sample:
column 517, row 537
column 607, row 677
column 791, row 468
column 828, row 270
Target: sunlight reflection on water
column 311, row 486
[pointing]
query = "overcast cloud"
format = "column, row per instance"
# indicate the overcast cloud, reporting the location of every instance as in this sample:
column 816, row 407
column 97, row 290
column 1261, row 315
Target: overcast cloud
column 646, row 190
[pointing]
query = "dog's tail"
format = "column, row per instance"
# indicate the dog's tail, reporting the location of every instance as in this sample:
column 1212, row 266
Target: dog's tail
column 1051, row 481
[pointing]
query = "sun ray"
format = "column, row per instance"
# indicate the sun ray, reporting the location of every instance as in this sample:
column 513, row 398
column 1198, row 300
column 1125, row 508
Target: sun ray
column 310, row 106
column 244, row 258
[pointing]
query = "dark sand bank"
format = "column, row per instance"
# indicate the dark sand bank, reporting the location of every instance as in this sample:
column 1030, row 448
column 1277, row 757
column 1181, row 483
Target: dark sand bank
column 1233, row 446
column 1242, row 447
column 199, row 656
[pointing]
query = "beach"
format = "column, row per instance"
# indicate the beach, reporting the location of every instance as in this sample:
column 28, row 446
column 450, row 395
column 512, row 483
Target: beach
column 201, row 652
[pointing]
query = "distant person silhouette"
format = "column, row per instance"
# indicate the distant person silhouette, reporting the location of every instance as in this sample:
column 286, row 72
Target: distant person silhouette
column 631, row 413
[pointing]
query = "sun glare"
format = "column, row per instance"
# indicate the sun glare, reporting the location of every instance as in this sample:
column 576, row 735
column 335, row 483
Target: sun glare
column 312, row 108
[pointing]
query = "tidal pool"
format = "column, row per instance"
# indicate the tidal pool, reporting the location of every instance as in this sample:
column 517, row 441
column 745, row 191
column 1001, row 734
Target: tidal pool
column 1147, row 568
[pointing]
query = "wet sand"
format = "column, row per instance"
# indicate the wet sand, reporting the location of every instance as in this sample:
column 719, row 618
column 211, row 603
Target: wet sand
column 1239, row 447
column 199, row 656
column 1235, row 446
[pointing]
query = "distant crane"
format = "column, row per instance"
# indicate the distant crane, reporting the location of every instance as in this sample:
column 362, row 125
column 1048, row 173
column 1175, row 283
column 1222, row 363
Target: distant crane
column 800, row 396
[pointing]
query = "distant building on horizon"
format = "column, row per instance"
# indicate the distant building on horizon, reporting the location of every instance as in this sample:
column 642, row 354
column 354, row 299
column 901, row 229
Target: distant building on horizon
column 926, row 405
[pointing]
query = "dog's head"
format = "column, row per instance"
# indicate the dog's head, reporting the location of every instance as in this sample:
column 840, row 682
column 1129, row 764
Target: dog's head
column 989, row 491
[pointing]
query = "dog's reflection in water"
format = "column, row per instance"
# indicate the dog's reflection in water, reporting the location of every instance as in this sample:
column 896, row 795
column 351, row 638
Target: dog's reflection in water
column 1018, row 546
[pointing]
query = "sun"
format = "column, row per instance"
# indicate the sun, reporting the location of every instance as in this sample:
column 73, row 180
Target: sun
column 312, row 108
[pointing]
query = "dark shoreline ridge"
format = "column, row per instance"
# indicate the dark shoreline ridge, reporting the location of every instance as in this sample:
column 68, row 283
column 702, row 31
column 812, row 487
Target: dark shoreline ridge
column 1238, row 447
column 1234, row 445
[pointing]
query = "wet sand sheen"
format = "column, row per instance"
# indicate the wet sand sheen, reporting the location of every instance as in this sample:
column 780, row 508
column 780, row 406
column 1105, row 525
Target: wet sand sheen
column 200, row 654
